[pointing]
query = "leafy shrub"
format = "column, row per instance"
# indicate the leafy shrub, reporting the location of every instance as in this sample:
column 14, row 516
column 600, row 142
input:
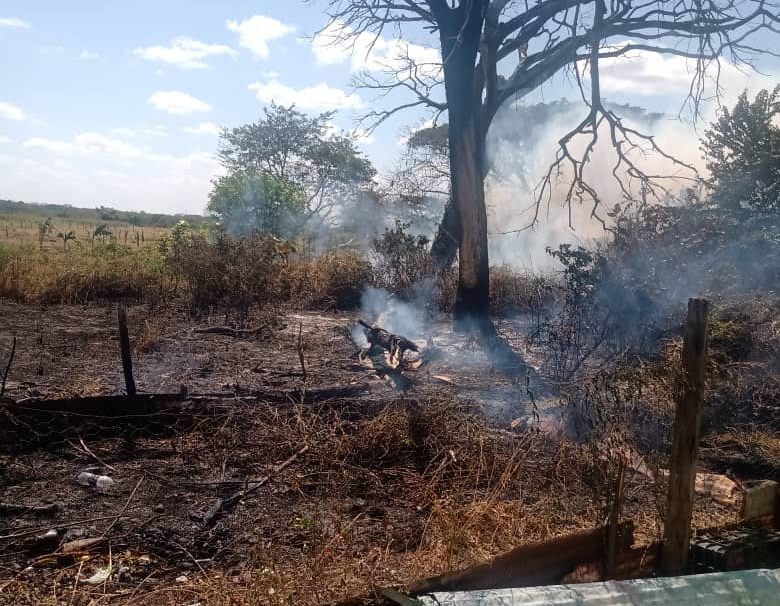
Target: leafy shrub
column 401, row 259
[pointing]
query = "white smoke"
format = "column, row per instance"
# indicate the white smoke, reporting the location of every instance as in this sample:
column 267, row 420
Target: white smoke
column 515, row 239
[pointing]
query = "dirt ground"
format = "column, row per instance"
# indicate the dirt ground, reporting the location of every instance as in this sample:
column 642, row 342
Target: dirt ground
column 392, row 486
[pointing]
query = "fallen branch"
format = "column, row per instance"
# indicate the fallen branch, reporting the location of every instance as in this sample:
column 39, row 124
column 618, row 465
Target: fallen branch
column 225, row 503
column 33, row 531
column 227, row 331
column 87, row 451
column 41, row 510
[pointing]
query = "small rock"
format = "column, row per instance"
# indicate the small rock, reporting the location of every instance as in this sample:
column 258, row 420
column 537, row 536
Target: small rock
column 182, row 579
column 159, row 508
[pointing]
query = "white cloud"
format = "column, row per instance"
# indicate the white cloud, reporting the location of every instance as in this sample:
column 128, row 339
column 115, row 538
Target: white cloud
column 91, row 144
column 648, row 73
column 184, row 52
column 100, row 144
column 52, row 50
column 178, row 103
column 123, row 132
column 11, row 112
column 204, row 128
column 4, row 140
column 158, row 131
column 321, row 97
column 53, row 145
column 366, row 51
column 256, row 32
column 86, row 55
column 15, row 23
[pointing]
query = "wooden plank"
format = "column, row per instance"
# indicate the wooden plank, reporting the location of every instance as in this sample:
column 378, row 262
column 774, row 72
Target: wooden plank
column 541, row 563
column 685, row 441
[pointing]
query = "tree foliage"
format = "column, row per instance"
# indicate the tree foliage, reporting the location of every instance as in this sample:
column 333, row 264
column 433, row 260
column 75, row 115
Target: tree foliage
column 248, row 201
column 743, row 154
column 291, row 155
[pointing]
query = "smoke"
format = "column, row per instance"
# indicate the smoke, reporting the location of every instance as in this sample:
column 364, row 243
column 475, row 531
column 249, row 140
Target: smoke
column 519, row 232
column 406, row 317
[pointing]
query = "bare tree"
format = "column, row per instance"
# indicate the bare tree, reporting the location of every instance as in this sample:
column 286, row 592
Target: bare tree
column 494, row 51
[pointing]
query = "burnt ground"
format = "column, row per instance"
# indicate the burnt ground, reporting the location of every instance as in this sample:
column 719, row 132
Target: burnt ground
column 393, row 487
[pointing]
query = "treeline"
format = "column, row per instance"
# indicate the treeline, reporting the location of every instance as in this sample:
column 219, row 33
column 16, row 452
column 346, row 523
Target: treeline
column 101, row 213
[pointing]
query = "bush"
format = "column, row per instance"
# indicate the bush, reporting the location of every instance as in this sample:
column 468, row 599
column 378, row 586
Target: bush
column 512, row 291
column 402, row 260
column 334, row 280
column 224, row 274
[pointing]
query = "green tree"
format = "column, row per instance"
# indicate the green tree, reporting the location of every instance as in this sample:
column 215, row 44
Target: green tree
column 743, row 155
column 249, row 200
column 301, row 155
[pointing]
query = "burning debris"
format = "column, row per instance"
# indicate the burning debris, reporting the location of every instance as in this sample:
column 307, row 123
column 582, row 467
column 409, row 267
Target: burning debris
column 395, row 345
column 388, row 354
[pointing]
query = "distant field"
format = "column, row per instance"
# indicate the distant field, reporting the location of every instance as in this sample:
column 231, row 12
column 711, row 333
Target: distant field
column 24, row 228
column 77, row 259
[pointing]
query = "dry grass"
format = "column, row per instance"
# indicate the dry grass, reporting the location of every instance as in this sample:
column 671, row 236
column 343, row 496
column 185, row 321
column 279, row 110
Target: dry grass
column 386, row 495
column 334, row 280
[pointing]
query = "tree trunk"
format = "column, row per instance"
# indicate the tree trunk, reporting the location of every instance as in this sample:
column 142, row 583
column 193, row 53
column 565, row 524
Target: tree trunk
column 460, row 34
column 468, row 189
column 445, row 245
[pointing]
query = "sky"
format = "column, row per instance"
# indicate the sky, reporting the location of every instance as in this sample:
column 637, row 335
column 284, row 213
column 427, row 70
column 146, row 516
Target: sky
column 120, row 103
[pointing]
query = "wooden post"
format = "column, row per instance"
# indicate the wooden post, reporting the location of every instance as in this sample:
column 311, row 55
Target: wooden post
column 614, row 522
column 685, row 441
column 124, row 348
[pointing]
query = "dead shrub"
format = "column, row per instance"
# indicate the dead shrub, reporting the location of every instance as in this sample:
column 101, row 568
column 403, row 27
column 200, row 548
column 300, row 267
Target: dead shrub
column 334, row 280
column 512, row 291
column 381, row 441
column 226, row 275
column 150, row 336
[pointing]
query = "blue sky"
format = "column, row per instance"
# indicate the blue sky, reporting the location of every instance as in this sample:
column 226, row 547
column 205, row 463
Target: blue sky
column 117, row 103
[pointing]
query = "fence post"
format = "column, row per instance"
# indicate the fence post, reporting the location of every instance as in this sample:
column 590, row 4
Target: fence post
column 685, row 441
column 124, row 348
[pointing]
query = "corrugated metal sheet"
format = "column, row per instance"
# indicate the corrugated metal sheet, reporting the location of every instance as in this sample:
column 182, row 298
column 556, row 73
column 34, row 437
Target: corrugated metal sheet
column 745, row 587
